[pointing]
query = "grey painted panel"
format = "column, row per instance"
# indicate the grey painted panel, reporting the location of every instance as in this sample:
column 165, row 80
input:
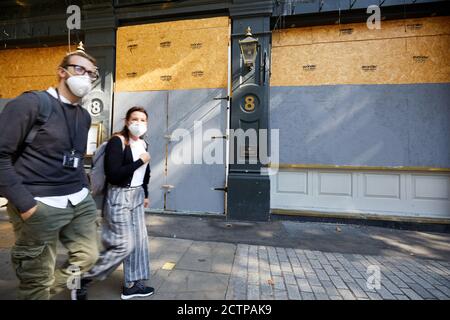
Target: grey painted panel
column 194, row 182
column 155, row 103
column 306, row 7
column 373, row 125
column 429, row 125
column 364, row 4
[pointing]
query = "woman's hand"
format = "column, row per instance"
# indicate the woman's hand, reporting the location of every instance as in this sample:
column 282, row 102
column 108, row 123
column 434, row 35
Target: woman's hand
column 145, row 157
column 146, row 202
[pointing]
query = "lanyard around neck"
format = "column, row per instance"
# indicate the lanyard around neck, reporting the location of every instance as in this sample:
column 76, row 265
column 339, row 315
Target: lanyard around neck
column 72, row 134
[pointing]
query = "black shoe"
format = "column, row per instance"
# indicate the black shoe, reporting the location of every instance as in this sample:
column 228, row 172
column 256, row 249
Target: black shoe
column 139, row 289
column 81, row 294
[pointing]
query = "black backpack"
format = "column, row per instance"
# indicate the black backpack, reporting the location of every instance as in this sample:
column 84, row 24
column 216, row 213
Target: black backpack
column 45, row 110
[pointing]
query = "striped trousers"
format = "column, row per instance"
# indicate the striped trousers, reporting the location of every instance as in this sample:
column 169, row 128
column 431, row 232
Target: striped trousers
column 124, row 236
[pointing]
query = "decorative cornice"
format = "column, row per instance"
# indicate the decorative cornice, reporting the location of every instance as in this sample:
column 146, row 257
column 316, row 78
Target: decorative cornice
column 251, row 8
column 100, row 16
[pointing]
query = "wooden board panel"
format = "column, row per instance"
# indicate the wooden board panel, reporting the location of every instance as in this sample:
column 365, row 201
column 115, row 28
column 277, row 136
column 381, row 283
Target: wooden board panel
column 429, row 58
column 28, row 69
column 359, row 31
column 187, row 54
column 393, row 55
column 368, row 62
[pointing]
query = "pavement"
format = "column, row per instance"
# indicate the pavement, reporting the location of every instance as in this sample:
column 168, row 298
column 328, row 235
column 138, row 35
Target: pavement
column 208, row 257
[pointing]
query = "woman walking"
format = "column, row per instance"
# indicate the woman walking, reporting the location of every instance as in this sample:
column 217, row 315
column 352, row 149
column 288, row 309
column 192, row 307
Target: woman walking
column 124, row 233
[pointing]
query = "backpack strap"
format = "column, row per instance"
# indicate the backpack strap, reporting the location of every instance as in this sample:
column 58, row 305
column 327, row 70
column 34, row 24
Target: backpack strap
column 122, row 139
column 146, row 144
column 45, row 110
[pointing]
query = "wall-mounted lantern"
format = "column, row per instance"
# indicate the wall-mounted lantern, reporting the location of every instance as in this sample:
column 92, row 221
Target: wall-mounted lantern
column 249, row 48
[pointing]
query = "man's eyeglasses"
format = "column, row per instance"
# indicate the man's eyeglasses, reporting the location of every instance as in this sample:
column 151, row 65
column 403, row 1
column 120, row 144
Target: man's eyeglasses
column 80, row 70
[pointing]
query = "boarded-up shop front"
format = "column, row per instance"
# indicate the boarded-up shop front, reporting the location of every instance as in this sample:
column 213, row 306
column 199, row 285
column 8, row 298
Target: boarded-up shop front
column 364, row 119
column 178, row 71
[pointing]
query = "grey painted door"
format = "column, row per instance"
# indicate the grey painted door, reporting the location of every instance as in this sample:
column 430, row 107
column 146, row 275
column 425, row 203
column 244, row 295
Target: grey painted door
column 204, row 120
column 175, row 186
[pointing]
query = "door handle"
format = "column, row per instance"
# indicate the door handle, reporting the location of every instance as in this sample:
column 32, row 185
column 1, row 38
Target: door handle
column 224, row 189
column 223, row 98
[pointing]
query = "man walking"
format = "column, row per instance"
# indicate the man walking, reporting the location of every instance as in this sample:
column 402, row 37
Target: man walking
column 45, row 181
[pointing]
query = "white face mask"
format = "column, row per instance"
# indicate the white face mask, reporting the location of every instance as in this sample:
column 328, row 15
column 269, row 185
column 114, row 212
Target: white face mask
column 137, row 129
column 79, row 85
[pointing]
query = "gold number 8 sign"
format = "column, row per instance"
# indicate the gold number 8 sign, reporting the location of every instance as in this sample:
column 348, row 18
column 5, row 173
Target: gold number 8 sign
column 249, row 103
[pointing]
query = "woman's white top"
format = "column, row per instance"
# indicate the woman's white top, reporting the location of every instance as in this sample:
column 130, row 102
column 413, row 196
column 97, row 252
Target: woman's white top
column 138, row 148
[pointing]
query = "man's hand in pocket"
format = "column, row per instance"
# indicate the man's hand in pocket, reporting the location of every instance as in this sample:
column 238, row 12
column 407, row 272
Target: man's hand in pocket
column 27, row 214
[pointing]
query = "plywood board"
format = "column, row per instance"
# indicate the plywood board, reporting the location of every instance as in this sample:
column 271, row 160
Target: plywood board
column 360, row 31
column 381, row 59
column 28, row 69
column 429, row 59
column 187, row 54
column 143, row 30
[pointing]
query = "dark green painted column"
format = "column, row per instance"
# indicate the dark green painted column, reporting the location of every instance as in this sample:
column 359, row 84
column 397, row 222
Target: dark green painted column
column 99, row 26
column 248, row 195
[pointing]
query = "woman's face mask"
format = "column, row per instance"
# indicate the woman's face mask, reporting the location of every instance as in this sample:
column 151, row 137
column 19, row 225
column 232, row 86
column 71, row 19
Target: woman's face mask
column 79, row 85
column 137, row 129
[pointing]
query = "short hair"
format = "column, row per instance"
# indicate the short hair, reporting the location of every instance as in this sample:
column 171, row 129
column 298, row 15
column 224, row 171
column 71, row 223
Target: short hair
column 66, row 59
